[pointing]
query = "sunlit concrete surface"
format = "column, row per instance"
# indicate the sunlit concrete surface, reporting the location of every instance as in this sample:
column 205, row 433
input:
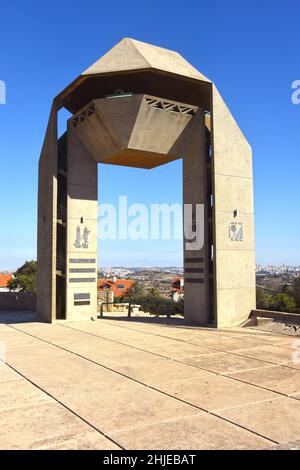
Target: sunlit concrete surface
column 146, row 384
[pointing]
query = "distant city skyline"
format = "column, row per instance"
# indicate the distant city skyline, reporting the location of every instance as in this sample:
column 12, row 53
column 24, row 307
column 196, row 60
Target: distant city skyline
column 120, row 269
column 250, row 58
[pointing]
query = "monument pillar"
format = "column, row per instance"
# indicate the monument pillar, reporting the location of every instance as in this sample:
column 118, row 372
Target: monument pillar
column 81, row 230
column 47, row 226
column 195, row 206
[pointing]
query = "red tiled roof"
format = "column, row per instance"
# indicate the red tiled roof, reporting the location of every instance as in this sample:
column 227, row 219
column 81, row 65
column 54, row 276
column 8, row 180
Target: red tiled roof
column 115, row 286
column 176, row 284
column 4, row 278
column 177, row 278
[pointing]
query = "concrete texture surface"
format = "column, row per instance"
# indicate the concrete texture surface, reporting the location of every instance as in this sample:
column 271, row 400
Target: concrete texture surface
column 145, row 384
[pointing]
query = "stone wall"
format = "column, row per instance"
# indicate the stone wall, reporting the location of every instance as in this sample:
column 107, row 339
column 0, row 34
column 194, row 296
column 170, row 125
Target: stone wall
column 17, row 301
column 276, row 315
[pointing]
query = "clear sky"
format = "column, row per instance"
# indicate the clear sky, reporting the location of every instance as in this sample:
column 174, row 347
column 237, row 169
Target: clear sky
column 250, row 49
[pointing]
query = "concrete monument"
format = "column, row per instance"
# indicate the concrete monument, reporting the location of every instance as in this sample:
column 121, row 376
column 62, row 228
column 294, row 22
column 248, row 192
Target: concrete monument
column 142, row 106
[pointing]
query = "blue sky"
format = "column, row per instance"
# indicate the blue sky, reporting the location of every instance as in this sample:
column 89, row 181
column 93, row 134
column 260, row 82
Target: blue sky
column 250, row 49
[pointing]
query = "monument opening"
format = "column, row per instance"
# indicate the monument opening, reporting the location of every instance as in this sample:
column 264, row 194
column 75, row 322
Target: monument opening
column 140, row 235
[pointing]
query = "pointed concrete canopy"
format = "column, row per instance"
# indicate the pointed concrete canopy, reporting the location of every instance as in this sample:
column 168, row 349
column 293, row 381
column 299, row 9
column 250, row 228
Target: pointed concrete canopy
column 130, row 54
column 140, row 68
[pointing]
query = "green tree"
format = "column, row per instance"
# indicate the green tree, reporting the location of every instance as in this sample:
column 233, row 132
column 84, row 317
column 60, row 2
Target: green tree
column 25, row 278
column 156, row 305
column 179, row 307
column 262, row 298
column 135, row 291
column 152, row 301
column 283, row 303
column 296, row 291
column 154, row 292
column 287, row 289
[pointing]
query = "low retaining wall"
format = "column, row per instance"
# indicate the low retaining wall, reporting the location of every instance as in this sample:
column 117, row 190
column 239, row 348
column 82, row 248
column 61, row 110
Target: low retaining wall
column 17, row 301
column 276, row 315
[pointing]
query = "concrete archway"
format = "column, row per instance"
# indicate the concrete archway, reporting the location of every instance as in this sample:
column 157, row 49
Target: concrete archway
column 144, row 106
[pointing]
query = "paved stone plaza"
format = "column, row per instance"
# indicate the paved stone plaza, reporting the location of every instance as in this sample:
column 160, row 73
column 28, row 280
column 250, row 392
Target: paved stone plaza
column 145, row 384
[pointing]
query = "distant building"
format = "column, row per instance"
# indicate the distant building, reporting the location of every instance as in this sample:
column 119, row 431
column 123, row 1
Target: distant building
column 177, row 288
column 119, row 287
column 4, row 278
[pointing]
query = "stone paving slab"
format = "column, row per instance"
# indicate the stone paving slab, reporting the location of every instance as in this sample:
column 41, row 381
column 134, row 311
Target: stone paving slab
column 30, row 419
column 293, row 364
column 109, row 352
column 293, row 445
column 152, row 343
column 24, row 394
column 43, row 425
column 277, row 419
column 158, row 372
column 216, row 392
column 224, row 362
column 165, row 331
column 64, row 375
column 277, row 378
column 121, row 407
column 264, row 338
column 202, row 431
column 146, row 386
column 7, row 374
column 228, row 344
column 271, row 353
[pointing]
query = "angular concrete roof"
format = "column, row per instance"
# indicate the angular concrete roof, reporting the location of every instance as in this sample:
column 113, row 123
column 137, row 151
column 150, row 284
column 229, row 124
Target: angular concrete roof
column 130, row 54
column 129, row 59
